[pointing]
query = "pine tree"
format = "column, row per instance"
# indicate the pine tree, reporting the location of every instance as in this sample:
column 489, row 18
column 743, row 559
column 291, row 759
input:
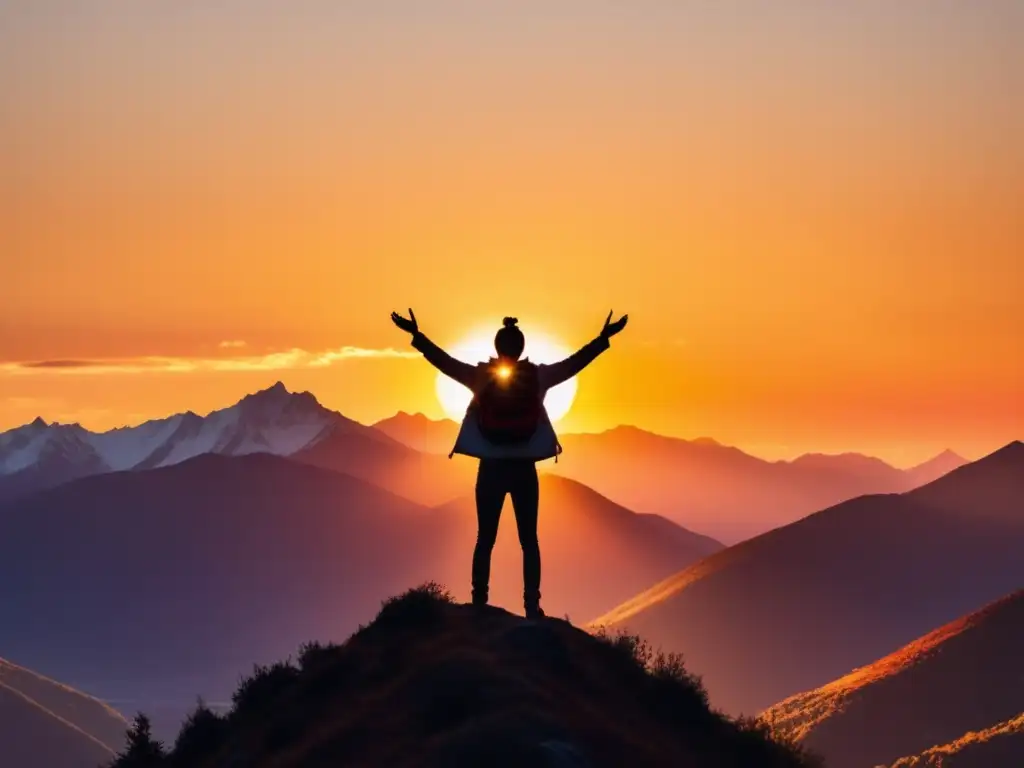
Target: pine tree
column 141, row 749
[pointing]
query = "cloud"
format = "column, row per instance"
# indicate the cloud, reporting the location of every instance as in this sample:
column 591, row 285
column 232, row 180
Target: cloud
column 61, row 364
column 231, row 344
column 276, row 361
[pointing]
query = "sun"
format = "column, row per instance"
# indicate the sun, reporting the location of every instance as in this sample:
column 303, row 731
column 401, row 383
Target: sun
column 478, row 348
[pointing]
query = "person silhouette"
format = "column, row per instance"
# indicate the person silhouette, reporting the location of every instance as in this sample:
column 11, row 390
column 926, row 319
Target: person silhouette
column 507, row 428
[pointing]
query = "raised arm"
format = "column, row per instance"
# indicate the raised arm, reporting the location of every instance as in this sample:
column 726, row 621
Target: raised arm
column 464, row 373
column 554, row 374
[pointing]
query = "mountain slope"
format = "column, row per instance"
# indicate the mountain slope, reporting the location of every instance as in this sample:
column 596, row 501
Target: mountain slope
column 801, row 605
column 716, row 489
column 243, row 557
column 991, row 488
column 44, row 723
column 429, row 683
column 934, row 468
column 425, row 478
column 963, row 677
column 1001, row 746
column 595, row 553
column 419, row 432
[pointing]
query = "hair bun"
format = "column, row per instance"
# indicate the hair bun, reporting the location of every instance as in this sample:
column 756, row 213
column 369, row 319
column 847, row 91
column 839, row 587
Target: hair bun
column 510, row 322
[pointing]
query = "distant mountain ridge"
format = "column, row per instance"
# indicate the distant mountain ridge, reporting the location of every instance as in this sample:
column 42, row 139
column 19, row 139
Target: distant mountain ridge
column 722, row 491
column 812, row 480
column 700, row 484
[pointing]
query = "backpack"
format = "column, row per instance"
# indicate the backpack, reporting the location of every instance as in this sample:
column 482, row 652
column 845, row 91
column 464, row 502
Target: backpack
column 509, row 404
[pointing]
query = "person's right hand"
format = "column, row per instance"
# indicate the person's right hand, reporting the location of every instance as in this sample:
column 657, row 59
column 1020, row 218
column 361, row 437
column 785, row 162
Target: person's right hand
column 610, row 328
column 408, row 324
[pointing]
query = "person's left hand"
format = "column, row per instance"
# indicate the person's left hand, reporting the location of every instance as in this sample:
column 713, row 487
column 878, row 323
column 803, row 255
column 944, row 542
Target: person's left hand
column 610, row 328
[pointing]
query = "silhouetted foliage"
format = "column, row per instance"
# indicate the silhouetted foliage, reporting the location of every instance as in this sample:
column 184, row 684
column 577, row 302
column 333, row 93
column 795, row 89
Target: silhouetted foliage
column 141, row 749
column 314, row 657
column 419, row 606
column 323, row 671
column 632, row 648
column 762, row 742
column 202, row 733
column 676, row 692
column 668, row 686
column 259, row 693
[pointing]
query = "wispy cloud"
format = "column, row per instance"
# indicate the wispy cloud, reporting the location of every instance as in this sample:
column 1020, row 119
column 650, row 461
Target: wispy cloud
column 235, row 344
column 61, row 364
column 274, row 361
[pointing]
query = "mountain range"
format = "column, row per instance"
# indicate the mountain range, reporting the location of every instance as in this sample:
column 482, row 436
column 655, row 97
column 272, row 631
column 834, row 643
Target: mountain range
column 275, row 421
column 796, row 607
column 45, row 723
column 150, row 564
column 960, row 686
column 701, row 484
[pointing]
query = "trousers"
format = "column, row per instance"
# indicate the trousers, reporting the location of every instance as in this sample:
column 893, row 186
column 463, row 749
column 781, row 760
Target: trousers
column 495, row 479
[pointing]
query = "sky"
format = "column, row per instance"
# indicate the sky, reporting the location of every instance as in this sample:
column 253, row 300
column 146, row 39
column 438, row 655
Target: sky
column 812, row 212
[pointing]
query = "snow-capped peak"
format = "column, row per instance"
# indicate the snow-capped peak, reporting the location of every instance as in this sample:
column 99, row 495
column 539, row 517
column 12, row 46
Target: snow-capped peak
column 35, row 444
column 272, row 420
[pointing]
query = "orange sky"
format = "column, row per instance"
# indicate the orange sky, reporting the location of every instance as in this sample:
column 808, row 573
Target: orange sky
column 814, row 216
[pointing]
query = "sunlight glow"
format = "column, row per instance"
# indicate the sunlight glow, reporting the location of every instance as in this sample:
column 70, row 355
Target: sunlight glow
column 454, row 397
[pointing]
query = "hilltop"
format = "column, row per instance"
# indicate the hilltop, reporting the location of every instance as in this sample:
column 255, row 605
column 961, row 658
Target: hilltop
column 434, row 683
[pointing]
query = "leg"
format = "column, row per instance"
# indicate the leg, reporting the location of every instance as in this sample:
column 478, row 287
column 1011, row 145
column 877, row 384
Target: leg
column 525, row 497
column 490, row 496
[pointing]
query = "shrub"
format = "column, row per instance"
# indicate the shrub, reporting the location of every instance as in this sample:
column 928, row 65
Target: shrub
column 261, row 692
column 632, row 649
column 202, row 734
column 417, row 607
column 678, row 689
column 760, row 744
column 141, row 749
column 315, row 657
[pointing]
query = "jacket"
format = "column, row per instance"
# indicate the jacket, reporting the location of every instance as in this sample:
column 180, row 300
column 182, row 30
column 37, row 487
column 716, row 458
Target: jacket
column 470, row 442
